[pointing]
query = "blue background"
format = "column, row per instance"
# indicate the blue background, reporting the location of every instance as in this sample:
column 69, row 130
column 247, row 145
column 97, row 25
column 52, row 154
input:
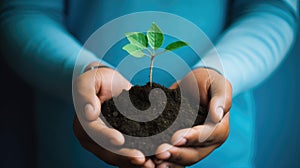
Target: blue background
column 278, row 114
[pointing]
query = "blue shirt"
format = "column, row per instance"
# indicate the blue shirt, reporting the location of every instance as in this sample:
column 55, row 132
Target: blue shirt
column 42, row 39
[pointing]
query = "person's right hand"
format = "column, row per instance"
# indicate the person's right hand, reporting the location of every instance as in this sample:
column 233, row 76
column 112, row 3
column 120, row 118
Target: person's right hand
column 90, row 90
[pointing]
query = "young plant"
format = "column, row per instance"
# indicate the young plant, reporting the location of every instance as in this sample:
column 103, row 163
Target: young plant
column 139, row 45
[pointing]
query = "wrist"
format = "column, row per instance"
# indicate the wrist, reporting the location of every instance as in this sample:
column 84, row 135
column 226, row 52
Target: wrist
column 95, row 65
column 210, row 73
column 208, row 69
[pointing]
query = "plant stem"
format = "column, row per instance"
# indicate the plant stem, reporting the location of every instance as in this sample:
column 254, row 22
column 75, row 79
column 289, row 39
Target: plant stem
column 151, row 68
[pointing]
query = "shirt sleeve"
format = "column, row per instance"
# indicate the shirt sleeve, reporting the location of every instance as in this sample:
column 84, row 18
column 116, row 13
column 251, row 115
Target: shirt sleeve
column 36, row 43
column 255, row 43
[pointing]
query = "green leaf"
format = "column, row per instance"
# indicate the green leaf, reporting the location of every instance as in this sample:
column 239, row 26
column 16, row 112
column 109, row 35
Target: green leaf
column 176, row 45
column 137, row 39
column 155, row 37
column 134, row 50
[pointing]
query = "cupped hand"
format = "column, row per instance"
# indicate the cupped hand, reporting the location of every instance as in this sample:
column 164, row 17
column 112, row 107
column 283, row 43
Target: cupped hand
column 89, row 90
column 190, row 145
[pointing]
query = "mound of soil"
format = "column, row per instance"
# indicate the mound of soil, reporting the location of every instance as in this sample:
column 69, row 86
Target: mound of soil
column 172, row 105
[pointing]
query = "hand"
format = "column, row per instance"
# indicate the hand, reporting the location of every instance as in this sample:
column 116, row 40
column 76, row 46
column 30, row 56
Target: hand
column 90, row 89
column 191, row 145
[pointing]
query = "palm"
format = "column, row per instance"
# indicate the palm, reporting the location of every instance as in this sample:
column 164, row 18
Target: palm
column 191, row 145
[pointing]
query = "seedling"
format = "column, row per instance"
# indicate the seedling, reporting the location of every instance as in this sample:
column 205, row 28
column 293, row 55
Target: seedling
column 139, row 45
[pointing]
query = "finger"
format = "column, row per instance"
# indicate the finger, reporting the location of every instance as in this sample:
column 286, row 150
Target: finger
column 124, row 157
column 135, row 156
column 101, row 134
column 86, row 88
column 148, row 164
column 193, row 136
column 162, row 152
column 85, row 91
column 203, row 135
column 157, row 161
column 169, row 165
column 113, row 84
column 179, row 138
column 174, row 85
column 186, row 155
column 221, row 96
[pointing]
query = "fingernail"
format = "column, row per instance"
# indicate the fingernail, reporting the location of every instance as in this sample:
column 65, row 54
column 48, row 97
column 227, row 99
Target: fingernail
column 220, row 113
column 137, row 160
column 165, row 155
column 182, row 141
column 114, row 141
column 157, row 161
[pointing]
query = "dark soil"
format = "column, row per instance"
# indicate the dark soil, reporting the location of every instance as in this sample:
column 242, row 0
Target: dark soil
column 154, row 123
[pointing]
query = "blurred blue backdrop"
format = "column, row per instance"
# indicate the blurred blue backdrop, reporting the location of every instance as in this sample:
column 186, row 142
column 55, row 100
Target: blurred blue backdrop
column 278, row 125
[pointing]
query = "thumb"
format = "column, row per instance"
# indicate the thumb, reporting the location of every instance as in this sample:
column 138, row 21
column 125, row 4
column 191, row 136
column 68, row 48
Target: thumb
column 174, row 85
column 216, row 109
column 85, row 89
column 221, row 97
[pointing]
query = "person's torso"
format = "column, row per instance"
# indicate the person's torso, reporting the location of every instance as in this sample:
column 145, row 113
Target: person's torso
column 85, row 17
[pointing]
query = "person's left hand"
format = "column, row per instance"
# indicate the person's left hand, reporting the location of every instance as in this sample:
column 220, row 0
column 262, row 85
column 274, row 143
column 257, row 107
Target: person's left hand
column 188, row 146
column 90, row 90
